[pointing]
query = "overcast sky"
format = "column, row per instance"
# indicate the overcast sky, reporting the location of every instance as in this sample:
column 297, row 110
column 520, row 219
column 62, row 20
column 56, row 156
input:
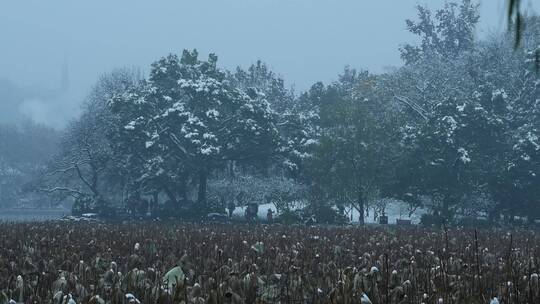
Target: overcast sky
column 303, row 40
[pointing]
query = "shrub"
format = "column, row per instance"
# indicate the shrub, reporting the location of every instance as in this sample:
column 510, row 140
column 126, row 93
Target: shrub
column 290, row 217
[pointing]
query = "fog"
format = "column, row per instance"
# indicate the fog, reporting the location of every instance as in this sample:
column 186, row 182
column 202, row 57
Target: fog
column 305, row 40
column 332, row 145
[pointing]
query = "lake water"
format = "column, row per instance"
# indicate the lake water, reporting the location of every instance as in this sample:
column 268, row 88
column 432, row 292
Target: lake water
column 28, row 215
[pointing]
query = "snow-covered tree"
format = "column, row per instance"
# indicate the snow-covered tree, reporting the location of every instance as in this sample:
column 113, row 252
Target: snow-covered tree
column 187, row 120
column 85, row 167
column 468, row 115
column 446, row 34
column 297, row 118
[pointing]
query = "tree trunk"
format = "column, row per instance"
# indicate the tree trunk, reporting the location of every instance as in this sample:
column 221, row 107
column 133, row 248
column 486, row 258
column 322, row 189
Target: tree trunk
column 230, row 168
column 494, row 216
column 203, row 179
column 445, row 210
column 155, row 202
column 361, row 208
column 170, row 195
column 182, row 190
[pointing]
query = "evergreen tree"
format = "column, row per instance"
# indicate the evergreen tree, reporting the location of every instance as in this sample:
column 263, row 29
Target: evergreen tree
column 188, row 120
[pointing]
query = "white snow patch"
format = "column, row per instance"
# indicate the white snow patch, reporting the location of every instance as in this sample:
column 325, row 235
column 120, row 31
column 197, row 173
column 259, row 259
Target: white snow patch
column 464, row 155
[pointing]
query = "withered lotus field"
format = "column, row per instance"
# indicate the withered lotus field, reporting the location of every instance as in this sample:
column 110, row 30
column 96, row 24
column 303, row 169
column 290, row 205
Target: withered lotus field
column 188, row 263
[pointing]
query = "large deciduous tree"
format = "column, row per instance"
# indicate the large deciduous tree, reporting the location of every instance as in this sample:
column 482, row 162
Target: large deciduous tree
column 85, row 167
column 187, row 120
column 352, row 160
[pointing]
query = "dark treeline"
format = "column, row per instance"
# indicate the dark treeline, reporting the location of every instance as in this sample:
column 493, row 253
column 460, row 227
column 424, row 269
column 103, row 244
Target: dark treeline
column 25, row 149
column 454, row 130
